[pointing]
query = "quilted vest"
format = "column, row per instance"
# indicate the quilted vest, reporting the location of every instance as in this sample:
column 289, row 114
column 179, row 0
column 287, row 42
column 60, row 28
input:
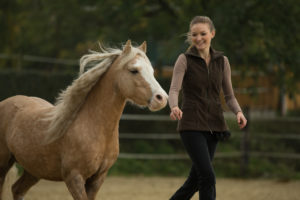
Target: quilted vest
column 201, row 86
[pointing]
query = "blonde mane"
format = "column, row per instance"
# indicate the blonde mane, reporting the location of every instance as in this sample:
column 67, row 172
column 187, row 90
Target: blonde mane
column 71, row 99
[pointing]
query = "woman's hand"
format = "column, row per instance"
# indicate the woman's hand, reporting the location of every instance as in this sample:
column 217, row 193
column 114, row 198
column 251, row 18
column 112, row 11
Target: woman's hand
column 176, row 113
column 241, row 120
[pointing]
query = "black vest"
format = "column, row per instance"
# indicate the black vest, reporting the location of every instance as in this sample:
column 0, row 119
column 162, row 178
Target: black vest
column 201, row 87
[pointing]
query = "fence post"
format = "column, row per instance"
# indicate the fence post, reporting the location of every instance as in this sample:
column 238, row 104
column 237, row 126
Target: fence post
column 245, row 144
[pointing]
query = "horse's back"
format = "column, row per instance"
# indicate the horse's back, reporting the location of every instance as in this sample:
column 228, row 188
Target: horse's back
column 20, row 101
column 10, row 107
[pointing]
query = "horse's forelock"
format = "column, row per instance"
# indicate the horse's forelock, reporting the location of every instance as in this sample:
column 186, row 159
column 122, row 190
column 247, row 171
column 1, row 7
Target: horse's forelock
column 125, row 58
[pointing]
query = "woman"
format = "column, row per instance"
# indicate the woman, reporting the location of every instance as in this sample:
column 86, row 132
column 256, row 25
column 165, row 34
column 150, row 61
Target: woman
column 201, row 72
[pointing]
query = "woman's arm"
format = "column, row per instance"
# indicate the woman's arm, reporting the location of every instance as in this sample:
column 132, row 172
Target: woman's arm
column 230, row 99
column 176, row 84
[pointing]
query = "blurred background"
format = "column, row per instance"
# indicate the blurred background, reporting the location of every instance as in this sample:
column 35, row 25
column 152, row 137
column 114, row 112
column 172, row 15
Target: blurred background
column 41, row 42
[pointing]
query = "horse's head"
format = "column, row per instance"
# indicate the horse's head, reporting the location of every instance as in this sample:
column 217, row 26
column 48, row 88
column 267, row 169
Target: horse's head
column 135, row 78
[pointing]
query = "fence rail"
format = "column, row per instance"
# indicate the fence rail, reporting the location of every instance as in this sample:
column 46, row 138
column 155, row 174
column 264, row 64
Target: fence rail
column 32, row 58
column 143, row 156
column 156, row 117
column 175, row 136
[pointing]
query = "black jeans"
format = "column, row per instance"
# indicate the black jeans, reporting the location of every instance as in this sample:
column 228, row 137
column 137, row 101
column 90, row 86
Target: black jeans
column 201, row 147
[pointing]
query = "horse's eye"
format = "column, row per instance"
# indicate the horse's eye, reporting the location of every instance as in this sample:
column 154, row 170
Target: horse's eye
column 134, row 71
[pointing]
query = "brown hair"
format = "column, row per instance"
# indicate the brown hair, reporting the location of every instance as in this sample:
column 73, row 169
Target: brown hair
column 202, row 20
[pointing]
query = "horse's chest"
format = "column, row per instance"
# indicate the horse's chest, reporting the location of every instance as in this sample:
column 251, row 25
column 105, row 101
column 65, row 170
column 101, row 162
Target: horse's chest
column 91, row 162
column 99, row 164
column 90, row 156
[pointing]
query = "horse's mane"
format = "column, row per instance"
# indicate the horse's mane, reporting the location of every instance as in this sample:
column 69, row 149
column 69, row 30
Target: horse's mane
column 71, row 99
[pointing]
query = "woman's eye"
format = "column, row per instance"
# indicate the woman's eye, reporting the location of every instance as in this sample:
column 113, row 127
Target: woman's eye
column 134, row 71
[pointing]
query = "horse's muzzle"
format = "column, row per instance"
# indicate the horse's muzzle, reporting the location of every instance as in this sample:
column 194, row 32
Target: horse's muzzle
column 158, row 101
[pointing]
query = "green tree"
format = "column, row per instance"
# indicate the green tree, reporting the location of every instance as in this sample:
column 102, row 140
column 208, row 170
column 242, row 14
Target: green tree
column 254, row 34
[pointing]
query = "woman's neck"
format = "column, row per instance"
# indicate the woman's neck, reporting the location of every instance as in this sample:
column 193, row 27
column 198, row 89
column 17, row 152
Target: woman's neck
column 204, row 53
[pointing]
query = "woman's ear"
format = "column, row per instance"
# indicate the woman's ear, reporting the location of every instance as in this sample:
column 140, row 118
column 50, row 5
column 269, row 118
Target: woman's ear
column 213, row 33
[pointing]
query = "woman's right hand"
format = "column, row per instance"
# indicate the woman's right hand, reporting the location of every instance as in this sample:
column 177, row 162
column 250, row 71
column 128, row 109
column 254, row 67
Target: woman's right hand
column 176, row 113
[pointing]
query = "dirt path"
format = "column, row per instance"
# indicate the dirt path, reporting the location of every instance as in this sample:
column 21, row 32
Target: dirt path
column 161, row 188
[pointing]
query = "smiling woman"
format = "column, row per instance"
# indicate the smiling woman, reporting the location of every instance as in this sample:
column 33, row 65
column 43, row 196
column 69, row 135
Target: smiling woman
column 201, row 36
column 201, row 72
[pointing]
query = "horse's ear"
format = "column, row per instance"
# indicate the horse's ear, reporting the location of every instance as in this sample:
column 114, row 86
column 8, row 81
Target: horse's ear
column 127, row 47
column 143, row 47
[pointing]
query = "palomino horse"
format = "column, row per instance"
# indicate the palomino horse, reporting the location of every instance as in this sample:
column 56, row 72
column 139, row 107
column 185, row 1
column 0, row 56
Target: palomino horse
column 76, row 141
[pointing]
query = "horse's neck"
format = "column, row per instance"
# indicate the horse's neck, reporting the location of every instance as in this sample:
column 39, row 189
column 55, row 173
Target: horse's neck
column 103, row 107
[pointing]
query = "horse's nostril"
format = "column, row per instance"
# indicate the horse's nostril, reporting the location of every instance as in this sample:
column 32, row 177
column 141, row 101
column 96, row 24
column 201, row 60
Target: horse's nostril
column 159, row 97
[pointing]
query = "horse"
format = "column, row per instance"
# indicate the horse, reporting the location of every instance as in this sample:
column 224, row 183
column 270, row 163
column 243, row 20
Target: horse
column 76, row 139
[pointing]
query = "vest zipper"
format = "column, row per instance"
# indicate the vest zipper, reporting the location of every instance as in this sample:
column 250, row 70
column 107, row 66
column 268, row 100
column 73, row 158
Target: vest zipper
column 207, row 67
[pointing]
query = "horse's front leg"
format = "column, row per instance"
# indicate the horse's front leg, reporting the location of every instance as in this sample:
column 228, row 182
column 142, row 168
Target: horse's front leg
column 94, row 183
column 76, row 185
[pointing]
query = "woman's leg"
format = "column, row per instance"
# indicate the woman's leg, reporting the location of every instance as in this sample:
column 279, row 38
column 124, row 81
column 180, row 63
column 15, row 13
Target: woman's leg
column 188, row 189
column 212, row 142
column 200, row 147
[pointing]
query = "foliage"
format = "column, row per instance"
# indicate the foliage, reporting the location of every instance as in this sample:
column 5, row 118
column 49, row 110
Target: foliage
column 66, row 29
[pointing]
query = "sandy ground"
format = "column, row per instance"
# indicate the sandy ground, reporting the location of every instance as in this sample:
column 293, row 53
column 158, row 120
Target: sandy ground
column 161, row 188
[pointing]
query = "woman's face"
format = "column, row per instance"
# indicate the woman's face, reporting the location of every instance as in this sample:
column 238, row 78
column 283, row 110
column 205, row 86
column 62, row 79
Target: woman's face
column 201, row 36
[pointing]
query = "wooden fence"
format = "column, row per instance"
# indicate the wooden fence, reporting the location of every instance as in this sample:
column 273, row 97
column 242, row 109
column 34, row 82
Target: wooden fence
column 245, row 152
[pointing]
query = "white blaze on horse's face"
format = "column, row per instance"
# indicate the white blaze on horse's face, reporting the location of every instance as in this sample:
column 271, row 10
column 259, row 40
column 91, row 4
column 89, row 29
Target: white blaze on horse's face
column 159, row 97
column 136, row 80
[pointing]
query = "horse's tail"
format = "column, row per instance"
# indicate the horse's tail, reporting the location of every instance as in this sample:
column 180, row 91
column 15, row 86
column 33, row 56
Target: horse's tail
column 10, row 178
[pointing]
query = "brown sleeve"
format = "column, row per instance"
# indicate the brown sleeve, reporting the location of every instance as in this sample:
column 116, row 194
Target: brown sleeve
column 227, row 89
column 178, row 74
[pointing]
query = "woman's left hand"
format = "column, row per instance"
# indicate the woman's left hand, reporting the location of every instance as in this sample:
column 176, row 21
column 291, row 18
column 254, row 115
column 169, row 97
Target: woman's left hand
column 241, row 120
